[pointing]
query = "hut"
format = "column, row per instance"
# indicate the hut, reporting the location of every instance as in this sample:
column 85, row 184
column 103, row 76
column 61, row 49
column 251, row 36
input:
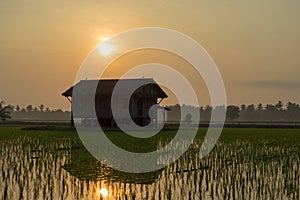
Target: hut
column 142, row 99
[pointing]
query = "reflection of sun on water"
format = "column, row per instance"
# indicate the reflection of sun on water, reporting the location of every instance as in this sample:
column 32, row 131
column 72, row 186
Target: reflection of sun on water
column 103, row 192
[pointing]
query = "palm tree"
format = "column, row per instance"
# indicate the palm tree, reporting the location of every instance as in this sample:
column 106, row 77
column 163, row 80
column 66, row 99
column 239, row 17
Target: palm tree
column 4, row 112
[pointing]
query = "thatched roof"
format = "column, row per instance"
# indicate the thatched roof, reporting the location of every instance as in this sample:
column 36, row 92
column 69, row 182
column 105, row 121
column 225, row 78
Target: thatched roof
column 106, row 86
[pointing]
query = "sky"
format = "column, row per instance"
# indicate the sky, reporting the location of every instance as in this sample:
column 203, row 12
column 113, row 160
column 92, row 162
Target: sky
column 255, row 44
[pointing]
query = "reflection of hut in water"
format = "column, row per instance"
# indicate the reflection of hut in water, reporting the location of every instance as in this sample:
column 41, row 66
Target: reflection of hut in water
column 85, row 167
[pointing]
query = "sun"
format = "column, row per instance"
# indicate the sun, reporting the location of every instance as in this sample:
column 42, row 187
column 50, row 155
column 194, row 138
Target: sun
column 106, row 48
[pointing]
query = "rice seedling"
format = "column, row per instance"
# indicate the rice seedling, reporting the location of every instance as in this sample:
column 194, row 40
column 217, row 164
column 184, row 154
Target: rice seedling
column 245, row 164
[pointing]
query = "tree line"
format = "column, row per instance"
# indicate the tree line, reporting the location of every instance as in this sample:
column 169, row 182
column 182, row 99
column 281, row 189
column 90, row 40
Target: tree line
column 288, row 112
column 30, row 112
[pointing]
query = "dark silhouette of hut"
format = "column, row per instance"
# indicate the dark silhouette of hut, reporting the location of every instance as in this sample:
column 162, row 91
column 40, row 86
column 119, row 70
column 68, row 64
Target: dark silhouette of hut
column 84, row 166
column 148, row 94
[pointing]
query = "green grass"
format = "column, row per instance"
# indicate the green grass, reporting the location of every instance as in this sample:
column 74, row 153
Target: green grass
column 228, row 133
column 255, row 136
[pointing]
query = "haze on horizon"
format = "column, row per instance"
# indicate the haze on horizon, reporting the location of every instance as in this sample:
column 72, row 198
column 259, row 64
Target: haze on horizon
column 255, row 44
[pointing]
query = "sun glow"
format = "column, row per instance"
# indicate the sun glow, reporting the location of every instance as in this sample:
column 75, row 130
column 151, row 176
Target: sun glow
column 104, row 39
column 106, row 48
column 103, row 192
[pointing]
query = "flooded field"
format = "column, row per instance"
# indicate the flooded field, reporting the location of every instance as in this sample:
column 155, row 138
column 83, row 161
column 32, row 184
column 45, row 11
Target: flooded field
column 245, row 164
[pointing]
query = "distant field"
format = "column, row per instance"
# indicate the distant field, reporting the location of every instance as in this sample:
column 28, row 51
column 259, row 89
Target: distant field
column 254, row 135
column 247, row 163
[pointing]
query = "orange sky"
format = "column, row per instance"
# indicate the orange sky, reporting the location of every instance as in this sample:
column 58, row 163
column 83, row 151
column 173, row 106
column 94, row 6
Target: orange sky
column 256, row 44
